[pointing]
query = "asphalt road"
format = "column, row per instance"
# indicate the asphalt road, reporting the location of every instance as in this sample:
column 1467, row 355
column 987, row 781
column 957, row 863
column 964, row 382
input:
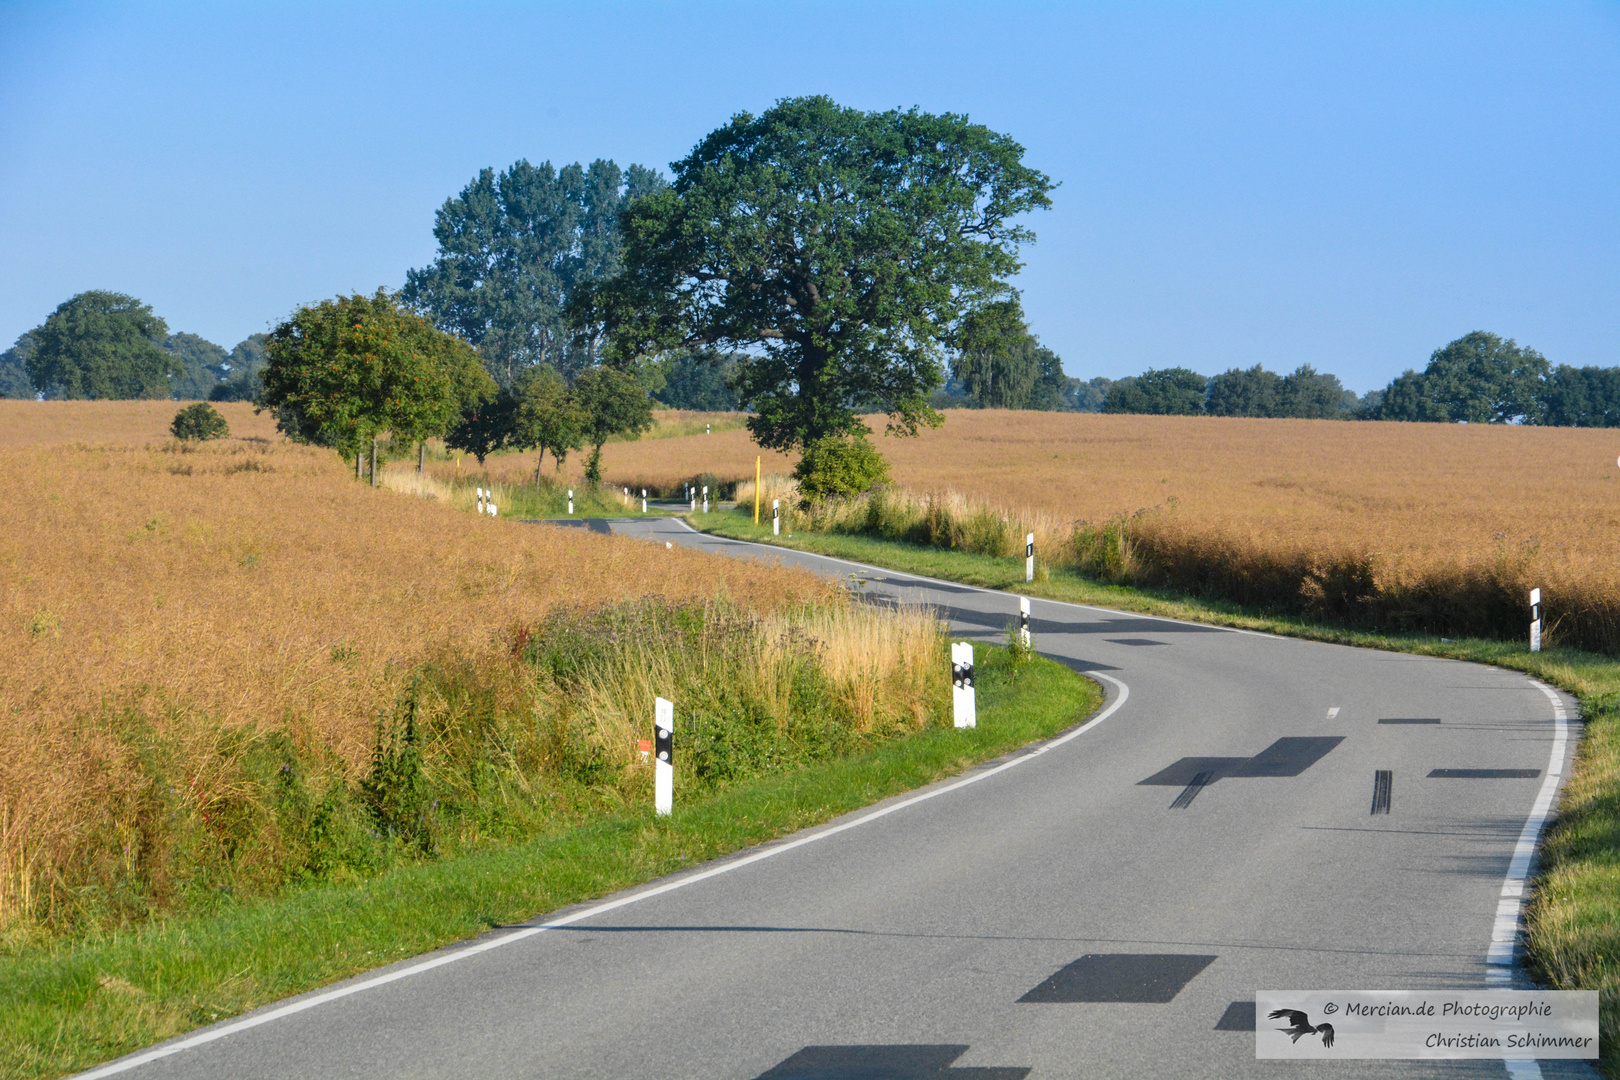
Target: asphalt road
column 1210, row 835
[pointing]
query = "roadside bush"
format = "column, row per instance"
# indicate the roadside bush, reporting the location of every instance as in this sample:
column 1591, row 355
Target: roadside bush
column 199, row 422
column 839, row 467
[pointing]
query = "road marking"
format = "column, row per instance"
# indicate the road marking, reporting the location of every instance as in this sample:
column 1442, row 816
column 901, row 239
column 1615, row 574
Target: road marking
column 1484, row 774
column 1290, row 755
column 1333, row 712
column 1141, row 978
column 303, row 1004
column 1510, row 909
column 1239, row 1016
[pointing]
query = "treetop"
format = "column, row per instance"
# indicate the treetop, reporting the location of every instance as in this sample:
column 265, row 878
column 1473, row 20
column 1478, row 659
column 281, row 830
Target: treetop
column 842, row 248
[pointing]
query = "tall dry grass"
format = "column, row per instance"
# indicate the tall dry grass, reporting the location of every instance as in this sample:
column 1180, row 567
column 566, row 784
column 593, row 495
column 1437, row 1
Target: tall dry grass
column 186, row 629
column 746, row 685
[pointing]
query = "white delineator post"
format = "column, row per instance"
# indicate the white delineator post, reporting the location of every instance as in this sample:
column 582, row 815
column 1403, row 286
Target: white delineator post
column 1535, row 620
column 643, row 500
column 1023, row 620
column 1029, row 557
column 480, row 502
column 705, row 498
column 492, row 512
column 776, row 517
column 570, row 502
column 664, row 751
column 962, row 696
column 627, row 498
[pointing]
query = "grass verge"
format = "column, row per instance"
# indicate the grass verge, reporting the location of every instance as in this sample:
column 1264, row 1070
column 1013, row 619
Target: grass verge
column 1573, row 919
column 72, row 1004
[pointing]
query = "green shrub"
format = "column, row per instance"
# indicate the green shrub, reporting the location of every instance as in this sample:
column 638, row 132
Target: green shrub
column 199, row 422
column 839, row 466
column 1018, row 650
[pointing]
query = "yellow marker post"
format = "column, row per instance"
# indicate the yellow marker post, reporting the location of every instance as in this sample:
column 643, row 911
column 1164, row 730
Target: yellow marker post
column 756, row 490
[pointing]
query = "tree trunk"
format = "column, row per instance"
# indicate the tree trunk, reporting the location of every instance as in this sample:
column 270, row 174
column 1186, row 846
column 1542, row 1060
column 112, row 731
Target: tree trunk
column 421, row 458
column 357, row 464
column 373, row 462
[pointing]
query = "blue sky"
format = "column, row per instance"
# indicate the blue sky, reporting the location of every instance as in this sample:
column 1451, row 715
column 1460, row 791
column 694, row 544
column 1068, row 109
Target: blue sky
column 1345, row 185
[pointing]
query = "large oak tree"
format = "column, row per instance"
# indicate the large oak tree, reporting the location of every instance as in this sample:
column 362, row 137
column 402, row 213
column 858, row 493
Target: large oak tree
column 840, row 250
column 1479, row 378
column 102, row 345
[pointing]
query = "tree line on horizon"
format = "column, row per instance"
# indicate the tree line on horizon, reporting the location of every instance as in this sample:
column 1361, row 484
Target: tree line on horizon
column 1479, row 378
column 108, row 345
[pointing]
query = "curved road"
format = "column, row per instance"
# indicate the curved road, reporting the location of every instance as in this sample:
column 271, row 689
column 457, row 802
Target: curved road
column 1104, row 905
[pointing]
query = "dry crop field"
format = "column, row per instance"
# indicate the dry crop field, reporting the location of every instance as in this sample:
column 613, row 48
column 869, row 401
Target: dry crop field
column 246, row 584
column 1432, row 526
column 24, row 423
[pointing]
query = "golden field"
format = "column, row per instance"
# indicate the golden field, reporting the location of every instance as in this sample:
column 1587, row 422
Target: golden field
column 25, row 423
column 1428, row 526
column 249, row 585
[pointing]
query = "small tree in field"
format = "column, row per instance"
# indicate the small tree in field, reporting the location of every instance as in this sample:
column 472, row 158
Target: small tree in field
column 485, row 427
column 547, row 416
column 199, row 422
column 343, row 371
column 611, row 403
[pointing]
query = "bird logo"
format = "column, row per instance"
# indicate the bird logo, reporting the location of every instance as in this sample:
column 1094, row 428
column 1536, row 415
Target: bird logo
column 1300, row 1024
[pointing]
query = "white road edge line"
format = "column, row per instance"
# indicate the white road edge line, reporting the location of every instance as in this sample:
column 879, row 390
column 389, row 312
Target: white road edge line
column 225, row 1030
column 1510, row 909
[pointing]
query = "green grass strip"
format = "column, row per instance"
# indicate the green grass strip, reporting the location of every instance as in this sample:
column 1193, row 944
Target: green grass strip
column 72, row 1004
column 1573, row 919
